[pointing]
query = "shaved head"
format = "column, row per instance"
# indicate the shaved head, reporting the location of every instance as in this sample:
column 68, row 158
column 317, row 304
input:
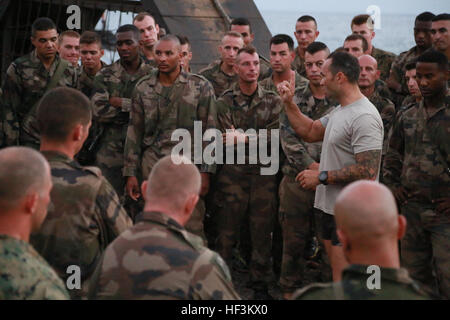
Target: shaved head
column 171, row 184
column 366, row 59
column 170, row 38
column 22, row 171
column 366, row 212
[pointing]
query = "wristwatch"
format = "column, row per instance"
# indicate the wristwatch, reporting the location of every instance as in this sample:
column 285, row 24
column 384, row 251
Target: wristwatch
column 323, row 177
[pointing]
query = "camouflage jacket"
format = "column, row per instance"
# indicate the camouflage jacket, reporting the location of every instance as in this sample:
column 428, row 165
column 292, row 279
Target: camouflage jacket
column 157, row 111
column 26, row 82
column 159, row 259
column 395, row 284
column 114, row 81
column 299, row 64
column 299, row 154
column 387, row 112
column 25, row 275
column 86, row 81
column 83, row 218
column 219, row 80
column 300, row 83
column 261, row 111
column 384, row 59
column 412, row 159
column 398, row 68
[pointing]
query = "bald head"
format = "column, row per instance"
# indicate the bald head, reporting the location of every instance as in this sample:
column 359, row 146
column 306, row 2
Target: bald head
column 366, row 59
column 171, row 184
column 369, row 72
column 22, row 171
column 366, row 212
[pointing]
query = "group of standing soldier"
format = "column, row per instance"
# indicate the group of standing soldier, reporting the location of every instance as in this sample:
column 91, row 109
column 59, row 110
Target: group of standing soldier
column 375, row 119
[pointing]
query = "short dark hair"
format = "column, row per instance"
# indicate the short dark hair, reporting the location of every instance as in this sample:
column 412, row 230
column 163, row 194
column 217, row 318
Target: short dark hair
column 247, row 49
column 184, row 40
column 425, row 17
column 411, row 64
column 345, row 63
column 283, row 38
column 241, row 22
column 130, row 27
column 89, row 37
column 433, row 56
column 60, row 110
column 171, row 37
column 317, row 46
column 354, row 37
column 307, row 18
column 42, row 24
column 362, row 19
column 441, row 17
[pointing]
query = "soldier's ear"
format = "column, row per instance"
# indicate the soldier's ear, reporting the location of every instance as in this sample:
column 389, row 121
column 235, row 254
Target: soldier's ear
column 30, row 203
column 190, row 204
column 78, row 132
column 144, row 188
column 378, row 74
column 342, row 239
column 401, row 226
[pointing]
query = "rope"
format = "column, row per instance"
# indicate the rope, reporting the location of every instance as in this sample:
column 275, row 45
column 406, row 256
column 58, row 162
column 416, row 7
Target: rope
column 222, row 12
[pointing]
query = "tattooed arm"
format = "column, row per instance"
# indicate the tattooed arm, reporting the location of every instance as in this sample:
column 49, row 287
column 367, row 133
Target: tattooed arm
column 366, row 167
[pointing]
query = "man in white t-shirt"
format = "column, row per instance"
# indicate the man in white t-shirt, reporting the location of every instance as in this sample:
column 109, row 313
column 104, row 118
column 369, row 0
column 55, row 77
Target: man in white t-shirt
column 352, row 137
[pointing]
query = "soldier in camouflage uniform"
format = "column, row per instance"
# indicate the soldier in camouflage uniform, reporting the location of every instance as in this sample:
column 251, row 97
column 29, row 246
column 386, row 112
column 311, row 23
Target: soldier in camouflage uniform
column 166, row 100
column 149, row 30
column 85, row 214
column 297, row 203
column 281, row 57
column 370, row 239
column 416, row 168
column 363, row 24
column 221, row 72
column 243, row 190
column 91, row 53
column 306, row 33
column 158, row 258
column 25, row 195
column 368, row 75
column 422, row 36
column 113, row 88
column 242, row 26
column 414, row 96
column 28, row 78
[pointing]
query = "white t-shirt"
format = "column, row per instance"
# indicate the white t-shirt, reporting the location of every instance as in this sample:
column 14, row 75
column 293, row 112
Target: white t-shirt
column 349, row 130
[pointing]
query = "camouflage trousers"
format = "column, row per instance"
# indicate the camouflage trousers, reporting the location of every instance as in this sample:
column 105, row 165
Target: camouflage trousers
column 110, row 157
column 295, row 215
column 425, row 249
column 243, row 194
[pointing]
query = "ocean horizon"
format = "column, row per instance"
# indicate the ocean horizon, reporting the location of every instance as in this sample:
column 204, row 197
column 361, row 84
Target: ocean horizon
column 395, row 35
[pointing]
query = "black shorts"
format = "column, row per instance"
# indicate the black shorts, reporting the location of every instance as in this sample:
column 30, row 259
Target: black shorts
column 328, row 227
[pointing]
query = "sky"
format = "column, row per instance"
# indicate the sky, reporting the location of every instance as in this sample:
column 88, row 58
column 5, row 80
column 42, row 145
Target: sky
column 356, row 6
